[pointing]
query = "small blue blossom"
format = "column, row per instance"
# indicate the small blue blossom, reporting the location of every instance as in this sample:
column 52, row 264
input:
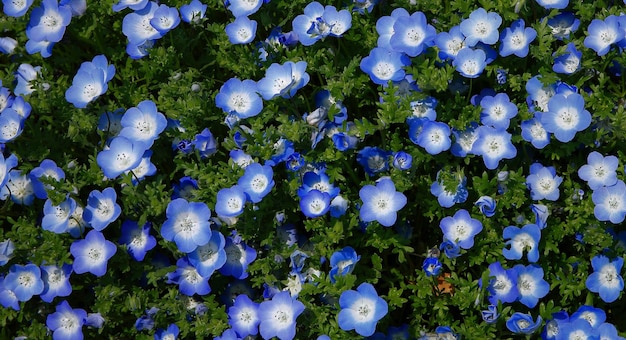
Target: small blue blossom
column 361, row 310
column 383, row 65
column 66, row 322
column 432, row 266
column 599, row 171
column 606, row 279
column 92, row 253
column 137, row 239
column 24, row 281
column 610, row 203
column 188, row 279
column 243, row 316
column 187, row 224
column 102, row 208
column 530, row 284
column 481, row 26
column 278, row 316
column 569, row 62
column 487, row 205
column 543, row 182
column 342, row 262
column 520, row 323
column 461, row 228
column 241, row 31
column 490, row 315
column 470, row 63
column 516, row 39
column 381, row 202
column 603, row 33
column 520, row 240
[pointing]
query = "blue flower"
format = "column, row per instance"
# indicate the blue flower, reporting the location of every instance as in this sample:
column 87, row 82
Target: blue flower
column 412, row 34
column 241, row 31
column 445, row 197
column 481, row 26
column 136, row 25
column 516, row 39
column 373, row 159
column 521, row 240
column 464, row 140
column 49, row 170
column 187, row 224
column 205, row 143
column 16, row 9
column 566, row 115
column 165, row 19
column 497, row 111
column 7, row 297
column 520, row 323
column 315, row 203
column 193, row 12
column 534, row 132
column 6, row 251
column 143, row 123
column 40, row 27
column 383, row 65
column 338, row 206
column 19, row 188
column 563, row 24
column 257, row 181
column 610, row 203
column 543, row 182
column 342, row 262
column 283, row 80
column 278, row 316
column 317, row 181
column 470, row 63
column 384, row 27
column 57, row 217
column 434, row 137
column 101, row 209
column 595, row 316
column 56, row 281
column 487, row 205
column 92, row 254
column 188, row 279
column 541, row 213
column 530, row 284
column 185, row 188
column 450, row 248
column 599, row 171
column 432, row 266
column 318, row 22
column 490, row 315
column 502, row 284
column 242, row 7
column 66, row 322
column 24, row 281
column 11, row 125
column 606, row 279
column 209, row 257
column 167, row 334
column 230, row 201
column 569, row 62
column 450, row 43
column 243, row 316
column 361, row 309
column 135, row 5
column 603, row 33
column 137, row 239
column 90, row 81
column 238, row 256
column 538, row 94
column 381, row 202
column 402, row 160
column 493, row 145
column 578, row 328
column 461, row 228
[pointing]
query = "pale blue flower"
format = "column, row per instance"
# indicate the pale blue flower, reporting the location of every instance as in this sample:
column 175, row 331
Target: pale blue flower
column 606, row 279
column 361, row 309
column 520, row 240
column 278, row 316
column 381, row 202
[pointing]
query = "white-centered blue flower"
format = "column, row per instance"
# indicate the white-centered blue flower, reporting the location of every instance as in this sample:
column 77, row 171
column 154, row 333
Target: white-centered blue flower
column 47, row 170
column 606, row 279
column 102, row 208
column 92, row 253
column 238, row 256
column 230, row 202
column 520, row 323
column 450, row 43
column 187, row 224
column 143, row 123
column 24, row 281
column 361, row 309
column 19, row 188
column 493, row 145
column 56, row 281
column 243, row 316
column 7, row 247
column 566, row 115
column 11, row 125
column 381, row 202
column 48, row 22
column 257, row 181
column 461, row 228
column 520, row 240
column 434, row 137
column 90, row 81
column 135, row 5
column 543, row 182
column 497, row 111
column 610, row 203
column 241, row 31
column 502, row 284
column 412, row 34
column 530, row 284
column 383, row 65
column 209, row 257
column 315, row 203
column 599, row 171
column 136, row 25
column 122, row 155
column 239, row 97
column 66, row 322
column 189, row 281
column 137, row 239
column 15, row 8
column 516, row 39
column 595, row 316
column 384, row 27
column 57, row 217
column 534, row 132
column 193, row 12
column 243, row 7
column 283, row 80
column 481, row 26
column 342, row 262
column 470, row 63
column 278, row 316
column 569, row 62
column 165, row 19
column 603, row 33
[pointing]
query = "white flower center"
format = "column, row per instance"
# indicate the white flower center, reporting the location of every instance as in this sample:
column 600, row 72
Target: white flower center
column 383, row 70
